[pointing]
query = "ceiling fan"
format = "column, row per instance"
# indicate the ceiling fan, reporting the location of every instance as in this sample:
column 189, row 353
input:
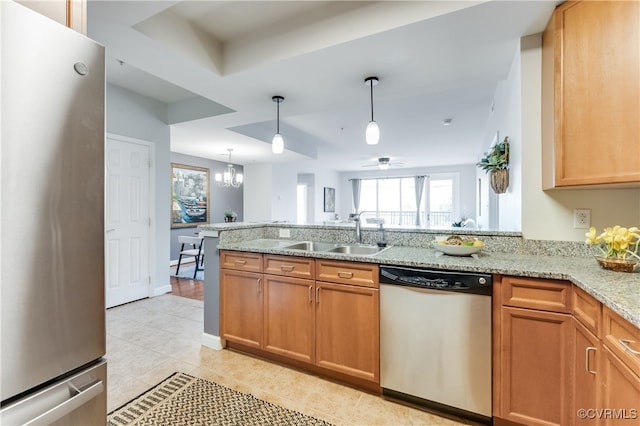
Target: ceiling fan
column 383, row 163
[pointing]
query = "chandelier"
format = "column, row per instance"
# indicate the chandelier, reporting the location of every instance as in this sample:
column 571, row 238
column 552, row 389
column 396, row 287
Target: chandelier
column 229, row 178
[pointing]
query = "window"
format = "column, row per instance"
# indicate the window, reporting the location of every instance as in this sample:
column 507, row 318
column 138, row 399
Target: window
column 394, row 200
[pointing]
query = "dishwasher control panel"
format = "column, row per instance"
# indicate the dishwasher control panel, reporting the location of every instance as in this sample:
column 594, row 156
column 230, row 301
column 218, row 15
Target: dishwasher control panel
column 437, row 280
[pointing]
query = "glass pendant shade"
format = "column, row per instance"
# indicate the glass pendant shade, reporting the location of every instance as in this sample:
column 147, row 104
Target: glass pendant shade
column 277, row 144
column 372, row 135
column 239, row 178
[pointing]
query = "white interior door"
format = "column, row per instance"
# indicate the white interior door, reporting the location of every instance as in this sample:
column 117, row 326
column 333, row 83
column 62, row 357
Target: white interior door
column 127, row 222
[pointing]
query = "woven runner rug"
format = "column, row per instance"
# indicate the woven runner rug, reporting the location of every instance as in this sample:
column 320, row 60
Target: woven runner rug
column 186, row 400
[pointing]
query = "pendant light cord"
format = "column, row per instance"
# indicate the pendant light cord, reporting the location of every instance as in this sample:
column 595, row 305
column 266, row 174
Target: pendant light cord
column 371, row 84
column 278, row 116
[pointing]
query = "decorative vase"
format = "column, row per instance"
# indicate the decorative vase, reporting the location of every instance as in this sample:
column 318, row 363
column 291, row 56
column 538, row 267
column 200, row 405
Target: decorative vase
column 618, row 265
column 499, row 180
column 229, row 219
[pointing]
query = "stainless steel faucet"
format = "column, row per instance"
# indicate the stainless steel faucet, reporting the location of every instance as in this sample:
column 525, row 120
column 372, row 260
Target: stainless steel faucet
column 356, row 219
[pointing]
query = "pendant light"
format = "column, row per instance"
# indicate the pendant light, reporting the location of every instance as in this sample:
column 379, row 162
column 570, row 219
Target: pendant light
column 372, row 134
column 277, row 144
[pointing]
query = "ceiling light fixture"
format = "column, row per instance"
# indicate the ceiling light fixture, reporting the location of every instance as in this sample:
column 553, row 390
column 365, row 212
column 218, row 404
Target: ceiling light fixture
column 229, row 178
column 383, row 163
column 277, row 144
column 447, row 121
column 372, row 135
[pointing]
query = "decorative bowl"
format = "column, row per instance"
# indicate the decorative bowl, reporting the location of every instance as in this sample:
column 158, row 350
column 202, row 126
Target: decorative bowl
column 455, row 250
column 617, row 265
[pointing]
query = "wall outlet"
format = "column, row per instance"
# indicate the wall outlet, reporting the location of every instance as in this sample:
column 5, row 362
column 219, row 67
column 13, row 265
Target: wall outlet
column 581, row 218
column 284, row 233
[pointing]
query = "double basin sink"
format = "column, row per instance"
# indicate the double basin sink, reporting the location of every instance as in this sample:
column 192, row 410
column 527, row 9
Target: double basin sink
column 354, row 249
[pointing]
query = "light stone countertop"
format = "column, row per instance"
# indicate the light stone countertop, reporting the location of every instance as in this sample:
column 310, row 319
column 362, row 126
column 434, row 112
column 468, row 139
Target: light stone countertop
column 618, row 290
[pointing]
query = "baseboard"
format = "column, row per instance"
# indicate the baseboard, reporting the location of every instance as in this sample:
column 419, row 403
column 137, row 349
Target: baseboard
column 213, row 342
column 159, row 291
column 189, row 259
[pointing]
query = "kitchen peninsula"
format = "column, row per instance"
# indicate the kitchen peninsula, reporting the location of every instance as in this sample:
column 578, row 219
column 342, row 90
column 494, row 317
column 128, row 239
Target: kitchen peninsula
column 546, row 296
column 505, row 253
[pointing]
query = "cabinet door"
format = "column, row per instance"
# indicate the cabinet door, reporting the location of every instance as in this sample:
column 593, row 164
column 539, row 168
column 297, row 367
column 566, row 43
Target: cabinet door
column 535, row 367
column 585, row 377
column 347, row 329
column 289, row 317
column 241, row 309
column 620, row 392
column 596, row 86
column 71, row 13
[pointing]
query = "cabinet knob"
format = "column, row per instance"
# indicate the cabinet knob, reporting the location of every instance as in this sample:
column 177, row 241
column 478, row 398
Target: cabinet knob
column 343, row 274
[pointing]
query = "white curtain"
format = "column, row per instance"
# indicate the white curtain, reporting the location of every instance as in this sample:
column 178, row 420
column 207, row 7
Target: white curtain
column 419, row 188
column 355, row 187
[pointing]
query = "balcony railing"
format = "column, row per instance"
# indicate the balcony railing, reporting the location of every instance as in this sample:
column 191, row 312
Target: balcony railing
column 397, row 218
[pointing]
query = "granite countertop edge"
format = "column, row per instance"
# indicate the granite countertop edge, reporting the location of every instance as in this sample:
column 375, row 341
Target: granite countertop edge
column 617, row 290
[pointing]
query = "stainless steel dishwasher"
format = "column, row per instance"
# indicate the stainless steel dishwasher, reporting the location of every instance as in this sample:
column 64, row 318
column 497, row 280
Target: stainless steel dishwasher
column 435, row 339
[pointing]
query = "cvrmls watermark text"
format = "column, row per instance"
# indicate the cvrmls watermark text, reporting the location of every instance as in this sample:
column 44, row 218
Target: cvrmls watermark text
column 608, row 413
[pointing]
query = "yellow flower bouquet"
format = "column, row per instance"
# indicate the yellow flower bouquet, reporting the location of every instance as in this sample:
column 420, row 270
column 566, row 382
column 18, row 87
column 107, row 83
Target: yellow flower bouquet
column 618, row 245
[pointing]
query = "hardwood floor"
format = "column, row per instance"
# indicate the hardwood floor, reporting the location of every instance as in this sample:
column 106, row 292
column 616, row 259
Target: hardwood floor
column 185, row 287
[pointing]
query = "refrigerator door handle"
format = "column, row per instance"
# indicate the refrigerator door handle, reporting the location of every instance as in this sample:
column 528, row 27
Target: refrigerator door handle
column 32, row 414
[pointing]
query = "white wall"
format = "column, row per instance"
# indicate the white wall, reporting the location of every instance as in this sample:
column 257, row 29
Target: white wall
column 505, row 119
column 549, row 215
column 270, row 191
column 136, row 116
column 258, row 184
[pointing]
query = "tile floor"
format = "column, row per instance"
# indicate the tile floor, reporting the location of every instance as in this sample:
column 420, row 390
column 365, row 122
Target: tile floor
column 149, row 340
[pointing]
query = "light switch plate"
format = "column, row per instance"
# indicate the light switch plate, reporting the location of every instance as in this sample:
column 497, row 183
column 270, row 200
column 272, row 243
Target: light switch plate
column 284, row 233
column 581, row 218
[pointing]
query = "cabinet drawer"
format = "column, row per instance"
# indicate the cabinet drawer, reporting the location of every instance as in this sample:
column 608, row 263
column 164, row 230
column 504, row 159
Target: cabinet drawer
column 623, row 338
column 241, row 261
column 360, row 274
column 545, row 295
column 587, row 310
column 289, row 266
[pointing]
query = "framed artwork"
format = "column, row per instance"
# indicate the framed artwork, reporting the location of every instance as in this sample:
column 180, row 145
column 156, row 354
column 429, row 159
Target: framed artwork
column 189, row 196
column 329, row 199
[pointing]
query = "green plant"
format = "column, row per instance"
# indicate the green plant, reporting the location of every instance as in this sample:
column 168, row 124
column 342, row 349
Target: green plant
column 497, row 158
column 230, row 213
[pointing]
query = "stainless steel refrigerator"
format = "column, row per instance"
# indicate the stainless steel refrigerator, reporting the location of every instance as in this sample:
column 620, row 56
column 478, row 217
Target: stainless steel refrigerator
column 51, row 223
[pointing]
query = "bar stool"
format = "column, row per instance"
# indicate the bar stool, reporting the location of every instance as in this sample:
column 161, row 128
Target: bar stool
column 194, row 248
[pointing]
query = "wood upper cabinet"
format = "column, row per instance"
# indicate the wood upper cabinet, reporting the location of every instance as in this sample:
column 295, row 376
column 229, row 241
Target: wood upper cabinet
column 348, row 330
column 289, row 317
column 591, row 101
column 70, row 13
column 241, row 307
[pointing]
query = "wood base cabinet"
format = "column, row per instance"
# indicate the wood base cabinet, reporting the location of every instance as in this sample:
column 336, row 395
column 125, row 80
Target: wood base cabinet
column 289, row 317
column 534, row 386
column 621, row 392
column 561, row 358
column 284, row 311
column 347, row 330
column 585, row 374
column 241, row 307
